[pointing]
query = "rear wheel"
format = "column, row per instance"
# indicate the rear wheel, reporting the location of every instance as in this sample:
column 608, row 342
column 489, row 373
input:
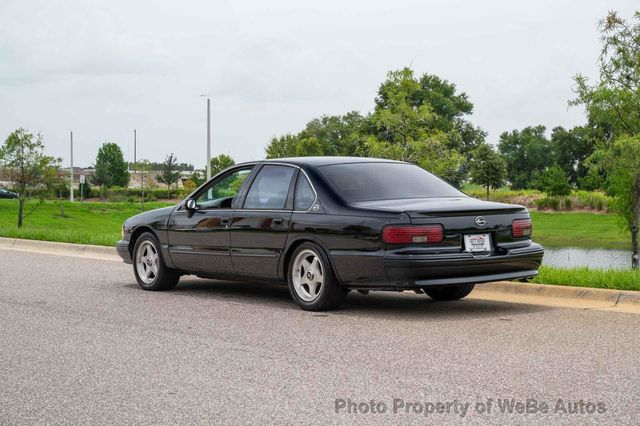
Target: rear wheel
column 450, row 292
column 312, row 283
column 149, row 267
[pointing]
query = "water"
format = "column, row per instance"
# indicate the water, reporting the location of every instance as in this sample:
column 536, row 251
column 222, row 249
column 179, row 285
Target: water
column 570, row 257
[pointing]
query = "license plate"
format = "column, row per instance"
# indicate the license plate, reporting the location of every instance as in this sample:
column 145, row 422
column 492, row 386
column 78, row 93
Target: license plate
column 477, row 243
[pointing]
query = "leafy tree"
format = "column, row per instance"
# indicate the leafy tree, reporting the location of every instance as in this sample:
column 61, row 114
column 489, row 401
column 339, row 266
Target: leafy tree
column 327, row 135
column 447, row 111
column 554, row 181
column 110, row 168
column 198, row 177
column 571, row 148
column 169, row 173
column 525, row 152
column 421, row 120
column 283, row 146
column 593, row 180
column 407, row 130
column 22, row 157
column 220, row 163
column 613, row 110
column 487, row 168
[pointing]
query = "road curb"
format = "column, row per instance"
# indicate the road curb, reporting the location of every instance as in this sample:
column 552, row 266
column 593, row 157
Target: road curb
column 62, row 249
column 557, row 295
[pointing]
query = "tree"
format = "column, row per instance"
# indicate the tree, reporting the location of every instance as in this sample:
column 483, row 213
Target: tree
column 220, row 163
column 571, row 148
column 418, row 119
column 487, row 168
column 613, row 110
column 169, row 173
column 23, row 159
column 554, row 181
column 447, row 109
column 327, row 135
column 408, row 130
column 525, row 152
column 198, row 177
column 110, row 168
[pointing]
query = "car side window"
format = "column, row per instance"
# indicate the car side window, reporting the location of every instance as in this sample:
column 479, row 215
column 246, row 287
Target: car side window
column 270, row 188
column 304, row 196
column 220, row 193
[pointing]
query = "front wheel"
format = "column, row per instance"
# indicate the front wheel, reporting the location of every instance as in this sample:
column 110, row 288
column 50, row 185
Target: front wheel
column 450, row 292
column 312, row 283
column 149, row 267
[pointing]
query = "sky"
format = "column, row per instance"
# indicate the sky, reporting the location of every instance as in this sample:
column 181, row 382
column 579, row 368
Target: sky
column 103, row 68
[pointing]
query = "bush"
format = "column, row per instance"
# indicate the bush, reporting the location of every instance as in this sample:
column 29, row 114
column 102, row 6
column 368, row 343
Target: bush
column 554, row 182
column 547, row 203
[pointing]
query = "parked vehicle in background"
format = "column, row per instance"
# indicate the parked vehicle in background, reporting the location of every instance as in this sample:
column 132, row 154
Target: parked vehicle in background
column 7, row 194
column 327, row 225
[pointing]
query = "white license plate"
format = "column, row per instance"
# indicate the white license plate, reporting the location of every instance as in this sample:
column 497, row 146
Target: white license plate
column 477, row 243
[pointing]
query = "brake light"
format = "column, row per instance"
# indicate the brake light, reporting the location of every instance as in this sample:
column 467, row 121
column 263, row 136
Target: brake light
column 521, row 228
column 416, row 234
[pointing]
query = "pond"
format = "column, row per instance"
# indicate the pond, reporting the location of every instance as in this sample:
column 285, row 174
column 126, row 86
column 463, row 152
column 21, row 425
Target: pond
column 569, row 257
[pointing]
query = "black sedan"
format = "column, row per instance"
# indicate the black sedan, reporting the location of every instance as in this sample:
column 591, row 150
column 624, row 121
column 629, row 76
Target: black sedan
column 7, row 194
column 327, row 225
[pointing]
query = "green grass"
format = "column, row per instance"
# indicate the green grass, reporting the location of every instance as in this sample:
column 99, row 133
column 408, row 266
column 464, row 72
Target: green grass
column 84, row 223
column 100, row 222
column 579, row 229
column 585, row 277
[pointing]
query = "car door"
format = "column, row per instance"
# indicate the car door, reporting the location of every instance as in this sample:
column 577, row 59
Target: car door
column 199, row 238
column 259, row 227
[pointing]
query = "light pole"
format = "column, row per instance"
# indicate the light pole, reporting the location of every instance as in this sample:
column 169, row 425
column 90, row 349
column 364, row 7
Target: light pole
column 208, row 136
column 71, row 168
column 135, row 153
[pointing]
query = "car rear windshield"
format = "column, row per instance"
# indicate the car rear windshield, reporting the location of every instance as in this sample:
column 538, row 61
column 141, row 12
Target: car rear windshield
column 385, row 181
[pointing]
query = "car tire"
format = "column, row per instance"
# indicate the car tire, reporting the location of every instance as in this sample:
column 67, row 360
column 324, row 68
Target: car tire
column 450, row 292
column 148, row 265
column 312, row 282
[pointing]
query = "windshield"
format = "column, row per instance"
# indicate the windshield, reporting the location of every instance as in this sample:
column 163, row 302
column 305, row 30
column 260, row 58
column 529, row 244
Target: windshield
column 385, row 181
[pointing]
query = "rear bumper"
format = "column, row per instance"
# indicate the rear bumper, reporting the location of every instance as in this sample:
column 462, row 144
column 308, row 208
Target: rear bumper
column 462, row 268
column 122, row 247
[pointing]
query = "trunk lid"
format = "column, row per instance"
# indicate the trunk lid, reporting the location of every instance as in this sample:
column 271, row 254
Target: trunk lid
column 418, row 208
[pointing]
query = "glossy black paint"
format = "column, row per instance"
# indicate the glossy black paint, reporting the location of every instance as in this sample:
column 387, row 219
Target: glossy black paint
column 242, row 243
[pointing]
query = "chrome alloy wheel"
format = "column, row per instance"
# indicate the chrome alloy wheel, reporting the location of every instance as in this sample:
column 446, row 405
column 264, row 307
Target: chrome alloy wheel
column 147, row 262
column 308, row 275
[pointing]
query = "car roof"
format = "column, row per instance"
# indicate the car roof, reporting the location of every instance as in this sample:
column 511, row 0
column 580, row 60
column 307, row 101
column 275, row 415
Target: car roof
column 327, row 160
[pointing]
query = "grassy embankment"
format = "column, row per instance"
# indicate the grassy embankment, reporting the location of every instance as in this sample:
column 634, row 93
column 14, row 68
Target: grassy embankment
column 585, row 277
column 84, row 223
column 99, row 223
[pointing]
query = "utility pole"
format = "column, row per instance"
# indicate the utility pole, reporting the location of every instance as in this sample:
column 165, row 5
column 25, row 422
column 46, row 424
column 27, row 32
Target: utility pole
column 135, row 159
column 71, row 169
column 208, row 136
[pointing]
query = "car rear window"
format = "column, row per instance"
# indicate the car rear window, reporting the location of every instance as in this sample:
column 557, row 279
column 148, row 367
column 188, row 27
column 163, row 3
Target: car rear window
column 385, row 181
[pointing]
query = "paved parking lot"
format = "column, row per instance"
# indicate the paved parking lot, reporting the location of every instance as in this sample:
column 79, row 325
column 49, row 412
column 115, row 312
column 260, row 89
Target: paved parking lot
column 80, row 343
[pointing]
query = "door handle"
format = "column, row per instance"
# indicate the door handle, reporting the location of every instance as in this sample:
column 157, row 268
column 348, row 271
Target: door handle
column 277, row 221
column 224, row 220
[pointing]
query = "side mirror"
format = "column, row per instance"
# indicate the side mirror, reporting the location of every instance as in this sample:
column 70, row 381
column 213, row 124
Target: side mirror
column 191, row 204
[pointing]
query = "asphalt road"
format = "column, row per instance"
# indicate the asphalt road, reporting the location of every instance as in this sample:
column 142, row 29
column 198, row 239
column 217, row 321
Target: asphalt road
column 81, row 343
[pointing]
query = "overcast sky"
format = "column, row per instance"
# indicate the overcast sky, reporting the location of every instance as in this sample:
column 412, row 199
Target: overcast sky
column 103, row 68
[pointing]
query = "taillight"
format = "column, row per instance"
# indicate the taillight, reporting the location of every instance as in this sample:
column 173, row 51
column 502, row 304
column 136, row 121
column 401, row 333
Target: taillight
column 521, row 228
column 413, row 234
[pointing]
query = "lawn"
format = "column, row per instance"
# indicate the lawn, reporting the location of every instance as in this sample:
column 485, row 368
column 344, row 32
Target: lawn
column 579, row 229
column 85, row 223
column 585, row 277
column 100, row 222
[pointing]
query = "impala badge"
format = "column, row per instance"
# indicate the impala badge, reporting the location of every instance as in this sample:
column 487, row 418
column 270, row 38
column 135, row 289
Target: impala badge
column 481, row 221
